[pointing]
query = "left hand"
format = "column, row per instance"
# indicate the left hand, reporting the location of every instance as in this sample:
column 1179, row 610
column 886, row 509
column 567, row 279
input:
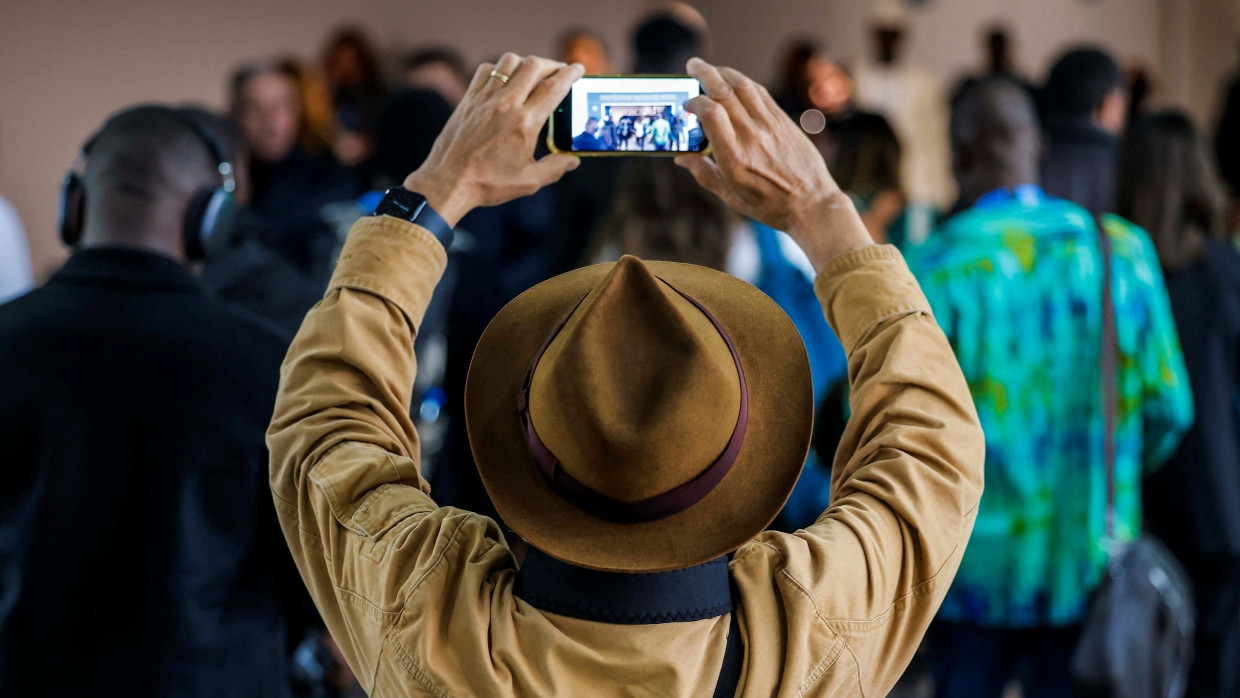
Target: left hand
column 485, row 155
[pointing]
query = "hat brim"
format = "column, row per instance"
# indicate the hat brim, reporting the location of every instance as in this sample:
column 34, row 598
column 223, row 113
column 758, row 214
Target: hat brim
column 741, row 506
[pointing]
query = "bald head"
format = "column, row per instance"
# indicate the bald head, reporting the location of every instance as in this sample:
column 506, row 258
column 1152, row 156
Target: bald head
column 142, row 170
column 995, row 141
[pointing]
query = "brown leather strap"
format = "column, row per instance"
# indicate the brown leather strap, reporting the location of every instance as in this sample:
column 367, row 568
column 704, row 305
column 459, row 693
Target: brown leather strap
column 1108, row 361
column 653, row 508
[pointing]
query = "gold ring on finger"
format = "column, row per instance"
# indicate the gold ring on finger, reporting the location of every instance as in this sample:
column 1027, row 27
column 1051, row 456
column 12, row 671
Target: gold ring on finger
column 499, row 76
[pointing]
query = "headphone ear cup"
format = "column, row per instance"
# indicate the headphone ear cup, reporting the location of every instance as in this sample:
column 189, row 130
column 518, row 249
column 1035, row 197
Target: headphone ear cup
column 209, row 223
column 72, row 209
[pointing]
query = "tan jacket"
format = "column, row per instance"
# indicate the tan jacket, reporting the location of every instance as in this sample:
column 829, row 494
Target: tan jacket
column 420, row 598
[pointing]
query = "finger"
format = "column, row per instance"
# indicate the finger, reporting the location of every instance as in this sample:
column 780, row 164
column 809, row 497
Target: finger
column 715, row 86
column 551, row 91
column 481, row 76
column 551, row 168
column 747, row 91
column 506, row 64
column 528, row 73
column 717, row 125
column 706, row 172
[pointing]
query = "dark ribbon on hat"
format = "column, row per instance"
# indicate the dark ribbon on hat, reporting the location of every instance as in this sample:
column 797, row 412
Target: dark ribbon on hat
column 660, row 506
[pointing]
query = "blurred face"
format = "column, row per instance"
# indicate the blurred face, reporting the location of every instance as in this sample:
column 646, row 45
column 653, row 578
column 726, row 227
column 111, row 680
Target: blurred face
column 268, row 114
column 344, row 67
column 439, row 77
column 830, row 89
column 1112, row 116
column 589, row 52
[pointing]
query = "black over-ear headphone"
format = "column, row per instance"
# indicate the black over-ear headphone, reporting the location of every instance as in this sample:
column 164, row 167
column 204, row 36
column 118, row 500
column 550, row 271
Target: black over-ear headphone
column 212, row 212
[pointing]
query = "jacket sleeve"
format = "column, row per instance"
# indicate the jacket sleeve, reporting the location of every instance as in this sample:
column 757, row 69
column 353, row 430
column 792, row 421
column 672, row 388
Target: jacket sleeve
column 344, row 453
column 907, row 476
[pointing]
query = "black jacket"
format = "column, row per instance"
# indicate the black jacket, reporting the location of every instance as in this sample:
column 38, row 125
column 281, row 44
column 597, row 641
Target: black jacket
column 1079, row 164
column 1193, row 501
column 139, row 549
column 1227, row 141
column 251, row 276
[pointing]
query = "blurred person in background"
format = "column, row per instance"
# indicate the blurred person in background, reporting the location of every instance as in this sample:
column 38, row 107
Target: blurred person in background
column 585, row 46
column 437, row 68
column 241, row 270
column 1168, row 186
column 999, row 63
column 1015, row 282
column 912, row 100
column 1227, row 148
column 792, row 94
column 141, row 554
column 1139, row 83
column 1084, row 107
column 293, row 175
column 860, row 147
column 356, row 87
column 16, row 276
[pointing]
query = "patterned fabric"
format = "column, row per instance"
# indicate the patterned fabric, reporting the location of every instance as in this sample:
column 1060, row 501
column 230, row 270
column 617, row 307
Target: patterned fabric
column 1014, row 284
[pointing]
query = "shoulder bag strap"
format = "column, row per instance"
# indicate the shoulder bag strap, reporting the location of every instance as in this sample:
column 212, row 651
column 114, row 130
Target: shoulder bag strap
column 1107, row 364
column 733, row 660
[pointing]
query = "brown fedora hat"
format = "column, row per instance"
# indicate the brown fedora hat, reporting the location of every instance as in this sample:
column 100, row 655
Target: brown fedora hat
column 639, row 416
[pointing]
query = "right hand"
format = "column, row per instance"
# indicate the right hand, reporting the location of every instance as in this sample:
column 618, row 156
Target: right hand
column 766, row 168
column 485, row 155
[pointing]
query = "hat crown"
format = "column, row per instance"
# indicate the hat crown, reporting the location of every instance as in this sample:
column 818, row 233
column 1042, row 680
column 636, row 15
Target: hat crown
column 639, row 393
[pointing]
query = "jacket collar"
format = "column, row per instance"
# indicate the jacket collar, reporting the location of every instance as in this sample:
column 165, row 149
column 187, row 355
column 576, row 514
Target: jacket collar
column 621, row 598
column 128, row 268
column 1078, row 130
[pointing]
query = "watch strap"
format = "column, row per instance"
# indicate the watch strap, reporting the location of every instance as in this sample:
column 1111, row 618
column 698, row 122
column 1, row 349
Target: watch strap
column 413, row 207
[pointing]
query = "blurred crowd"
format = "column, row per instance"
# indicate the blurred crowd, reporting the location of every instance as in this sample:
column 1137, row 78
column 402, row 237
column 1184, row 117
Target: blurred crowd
column 995, row 188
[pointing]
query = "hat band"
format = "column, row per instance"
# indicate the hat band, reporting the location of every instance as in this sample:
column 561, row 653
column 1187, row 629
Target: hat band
column 660, row 506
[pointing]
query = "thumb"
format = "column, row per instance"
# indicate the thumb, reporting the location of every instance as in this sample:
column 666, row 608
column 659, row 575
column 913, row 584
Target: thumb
column 550, row 168
column 706, row 172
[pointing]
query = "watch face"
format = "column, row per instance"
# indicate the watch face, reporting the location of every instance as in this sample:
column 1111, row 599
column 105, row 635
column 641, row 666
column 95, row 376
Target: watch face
column 401, row 203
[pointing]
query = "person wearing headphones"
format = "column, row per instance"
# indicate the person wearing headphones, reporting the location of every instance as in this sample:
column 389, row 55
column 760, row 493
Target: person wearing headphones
column 139, row 553
column 638, row 425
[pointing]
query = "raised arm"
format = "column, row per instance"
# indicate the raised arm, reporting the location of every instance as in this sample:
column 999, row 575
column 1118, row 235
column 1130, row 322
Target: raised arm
column 344, row 454
column 908, row 472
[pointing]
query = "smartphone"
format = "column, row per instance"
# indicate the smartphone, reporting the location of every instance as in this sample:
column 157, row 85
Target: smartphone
column 628, row 115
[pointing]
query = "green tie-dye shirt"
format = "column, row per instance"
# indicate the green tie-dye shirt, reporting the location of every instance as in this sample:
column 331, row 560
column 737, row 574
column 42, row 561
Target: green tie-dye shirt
column 1016, row 288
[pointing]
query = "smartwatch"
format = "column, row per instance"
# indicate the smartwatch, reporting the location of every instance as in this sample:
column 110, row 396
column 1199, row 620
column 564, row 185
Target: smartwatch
column 406, row 205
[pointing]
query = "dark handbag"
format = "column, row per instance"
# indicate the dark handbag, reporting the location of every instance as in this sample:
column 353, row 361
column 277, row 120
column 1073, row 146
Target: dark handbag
column 1137, row 641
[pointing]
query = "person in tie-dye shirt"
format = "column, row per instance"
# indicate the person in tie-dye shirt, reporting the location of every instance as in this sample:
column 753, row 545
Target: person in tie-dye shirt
column 1015, row 282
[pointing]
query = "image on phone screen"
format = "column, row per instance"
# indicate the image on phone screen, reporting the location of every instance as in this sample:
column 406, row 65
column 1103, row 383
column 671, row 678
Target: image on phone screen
column 629, row 115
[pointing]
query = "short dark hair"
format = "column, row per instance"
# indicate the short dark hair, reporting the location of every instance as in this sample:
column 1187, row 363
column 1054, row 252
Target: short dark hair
column 141, row 155
column 1079, row 82
column 662, row 44
column 430, row 55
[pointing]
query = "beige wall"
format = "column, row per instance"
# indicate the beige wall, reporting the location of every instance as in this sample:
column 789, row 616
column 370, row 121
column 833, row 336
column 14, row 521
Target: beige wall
column 945, row 33
column 66, row 64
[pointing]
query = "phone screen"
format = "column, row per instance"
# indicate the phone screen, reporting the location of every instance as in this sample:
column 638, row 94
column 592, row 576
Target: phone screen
column 629, row 115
